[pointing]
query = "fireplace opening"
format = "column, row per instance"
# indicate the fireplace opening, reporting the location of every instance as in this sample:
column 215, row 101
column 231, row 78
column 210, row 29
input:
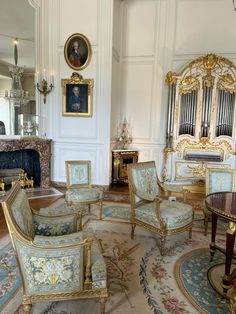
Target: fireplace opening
column 27, row 159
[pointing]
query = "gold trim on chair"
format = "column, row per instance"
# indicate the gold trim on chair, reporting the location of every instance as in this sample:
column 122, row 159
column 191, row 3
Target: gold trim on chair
column 70, row 247
column 146, row 195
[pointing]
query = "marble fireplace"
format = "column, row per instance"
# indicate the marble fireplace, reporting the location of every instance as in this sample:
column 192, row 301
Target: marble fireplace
column 36, row 147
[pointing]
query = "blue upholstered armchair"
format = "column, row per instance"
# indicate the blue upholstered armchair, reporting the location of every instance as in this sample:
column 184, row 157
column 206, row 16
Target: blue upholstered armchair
column 56, row 262
column 217, row 180
column 149, row 210
column 79, row 192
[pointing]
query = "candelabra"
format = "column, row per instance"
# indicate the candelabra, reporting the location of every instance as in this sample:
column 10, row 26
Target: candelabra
column 125, row 138
column 43, row 86
column 43, row 89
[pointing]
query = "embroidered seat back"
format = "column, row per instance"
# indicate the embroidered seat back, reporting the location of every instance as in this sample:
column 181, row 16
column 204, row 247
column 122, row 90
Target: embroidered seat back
column 220, row 180
column 143, row 179
column 22, row 214
column 78, row 173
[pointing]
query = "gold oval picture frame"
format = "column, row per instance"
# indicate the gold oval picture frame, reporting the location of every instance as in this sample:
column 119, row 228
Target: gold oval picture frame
column 77, row 51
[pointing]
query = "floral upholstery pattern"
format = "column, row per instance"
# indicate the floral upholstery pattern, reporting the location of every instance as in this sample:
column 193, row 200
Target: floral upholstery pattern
column 82, row 195
column 145, row 181
column 54, row 259
column 52, row 226
column 175, row 214
column 22, row 214
column 54, row 240
column 51, row 270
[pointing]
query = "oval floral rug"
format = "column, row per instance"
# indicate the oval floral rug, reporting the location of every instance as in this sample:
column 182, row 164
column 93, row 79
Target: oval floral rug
column 191, row 271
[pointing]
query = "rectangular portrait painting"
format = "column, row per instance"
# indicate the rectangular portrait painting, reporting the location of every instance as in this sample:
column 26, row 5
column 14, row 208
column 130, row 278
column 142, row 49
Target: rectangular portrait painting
column 77, row 96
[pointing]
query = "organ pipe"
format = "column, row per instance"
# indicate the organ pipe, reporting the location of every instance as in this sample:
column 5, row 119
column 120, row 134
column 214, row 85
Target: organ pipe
column 188, row 113
column 225, row 113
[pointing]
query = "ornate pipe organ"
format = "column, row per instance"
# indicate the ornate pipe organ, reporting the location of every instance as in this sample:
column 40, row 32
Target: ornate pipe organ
column 201, row 119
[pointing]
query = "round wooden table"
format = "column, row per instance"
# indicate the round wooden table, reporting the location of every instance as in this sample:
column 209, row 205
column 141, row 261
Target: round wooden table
column 223, row 205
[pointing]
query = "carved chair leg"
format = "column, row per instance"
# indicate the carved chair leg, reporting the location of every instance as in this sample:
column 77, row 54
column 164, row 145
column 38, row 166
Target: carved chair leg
column 102, row 305
column 132, row 230
column 162, row 245
column 100, row 207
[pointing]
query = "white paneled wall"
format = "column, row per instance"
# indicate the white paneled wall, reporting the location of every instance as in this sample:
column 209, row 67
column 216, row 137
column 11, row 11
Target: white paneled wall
column 134, row 43
column 78, row 138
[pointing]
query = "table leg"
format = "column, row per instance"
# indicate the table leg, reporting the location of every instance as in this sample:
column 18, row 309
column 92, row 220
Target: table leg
column 213, row 236
column 230, row 238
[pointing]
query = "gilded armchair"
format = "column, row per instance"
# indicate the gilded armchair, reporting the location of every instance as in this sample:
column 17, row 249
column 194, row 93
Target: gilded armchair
column 55, row 261
column 79, row 192
column 217, row 180
column 148, row 210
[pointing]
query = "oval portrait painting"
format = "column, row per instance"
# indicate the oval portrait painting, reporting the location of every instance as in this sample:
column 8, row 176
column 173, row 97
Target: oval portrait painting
column 77, row 51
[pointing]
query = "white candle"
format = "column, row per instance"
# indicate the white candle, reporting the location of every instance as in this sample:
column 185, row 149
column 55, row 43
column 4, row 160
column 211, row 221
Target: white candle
column 52, row 79
column 44, row 75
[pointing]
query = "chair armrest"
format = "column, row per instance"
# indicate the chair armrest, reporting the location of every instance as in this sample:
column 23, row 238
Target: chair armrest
column 162, row 222
column 178, row 188
column 54, row 225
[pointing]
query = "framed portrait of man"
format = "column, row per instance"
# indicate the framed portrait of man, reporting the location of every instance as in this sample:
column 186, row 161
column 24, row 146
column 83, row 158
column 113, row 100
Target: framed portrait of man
column 77, row 96
column 77, row 51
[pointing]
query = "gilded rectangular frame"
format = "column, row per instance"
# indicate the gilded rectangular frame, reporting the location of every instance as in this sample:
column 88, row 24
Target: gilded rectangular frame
column 77, row 96
column 68, row 178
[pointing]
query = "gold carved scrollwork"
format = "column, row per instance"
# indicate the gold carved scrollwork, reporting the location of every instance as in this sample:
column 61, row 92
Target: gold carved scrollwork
column 171, row 78
column 204, row 143
column 208, row 80
column 188, row 84
column 198, row 170
column 210, row 61
column 166, row 153
column 227, row 83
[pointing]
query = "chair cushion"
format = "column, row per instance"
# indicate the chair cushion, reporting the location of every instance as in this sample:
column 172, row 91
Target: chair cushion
column 82, row 195
column 22, row 214
column 175, row 214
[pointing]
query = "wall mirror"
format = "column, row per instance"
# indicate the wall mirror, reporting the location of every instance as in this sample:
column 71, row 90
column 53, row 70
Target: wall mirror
column 18, row 114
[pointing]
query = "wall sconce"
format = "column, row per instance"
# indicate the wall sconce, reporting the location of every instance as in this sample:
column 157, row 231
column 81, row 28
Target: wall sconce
column 44, row 85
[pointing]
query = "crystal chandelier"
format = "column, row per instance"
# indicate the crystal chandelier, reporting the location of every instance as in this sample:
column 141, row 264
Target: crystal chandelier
column 17, row 96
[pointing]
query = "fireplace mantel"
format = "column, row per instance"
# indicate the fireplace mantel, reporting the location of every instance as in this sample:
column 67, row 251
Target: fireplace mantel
column 42, row 146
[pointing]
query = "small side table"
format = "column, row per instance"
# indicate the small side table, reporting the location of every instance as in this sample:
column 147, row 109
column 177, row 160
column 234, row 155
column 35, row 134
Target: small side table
column 223, row 205
column 120, row 159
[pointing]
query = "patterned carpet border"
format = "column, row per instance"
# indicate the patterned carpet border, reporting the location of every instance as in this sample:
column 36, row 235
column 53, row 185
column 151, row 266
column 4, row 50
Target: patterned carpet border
column 186, row 291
